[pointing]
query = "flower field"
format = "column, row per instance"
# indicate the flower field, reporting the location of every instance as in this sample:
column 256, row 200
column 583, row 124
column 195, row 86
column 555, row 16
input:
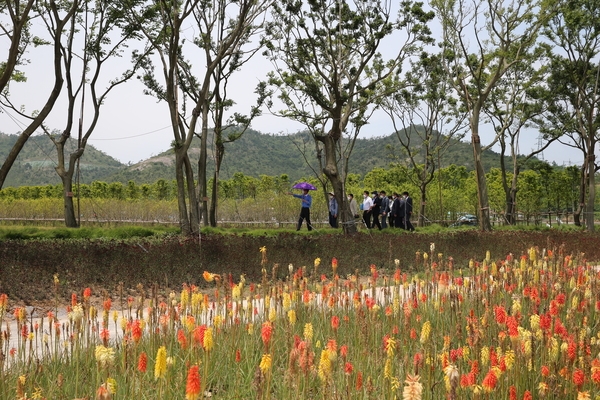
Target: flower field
column 500, row 327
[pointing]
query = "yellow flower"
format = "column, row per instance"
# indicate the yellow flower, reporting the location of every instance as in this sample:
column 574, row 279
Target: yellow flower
column 263, row 249
column 324, row 366
column 509, row 359
column 272, row 314
column 185, row 298
column 160, row 365
column 485, row 355
column 390, row 346
column 425, row 332
column 112, row 385
column 236, row 292
column 208, row 339
column 287, row 301
column 317, row 262
column 105, row 356
column 265, row 363
column 292, row 317
column 387, row 369
column 308, row 332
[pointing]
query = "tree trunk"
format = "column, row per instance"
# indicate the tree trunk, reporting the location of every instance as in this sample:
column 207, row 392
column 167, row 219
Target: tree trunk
column 421, row 220
column 582, row 191
column 220, row 151
column 482, row 195
column 191, row 190
column 184, row 222
column 202, row 192
column 70, row 220
column 330, row 170
column 589, row 209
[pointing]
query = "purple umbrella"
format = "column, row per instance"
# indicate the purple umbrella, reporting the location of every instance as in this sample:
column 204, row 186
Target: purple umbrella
column 304, row 185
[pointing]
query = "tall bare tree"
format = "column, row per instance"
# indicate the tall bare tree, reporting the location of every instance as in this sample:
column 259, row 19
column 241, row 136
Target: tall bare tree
column 573, row 91
column 426, row 118
column 98, row 28
column 61, row 13
column 482, row 41
column 511, row 111
column 220, row 29
column 329, row 70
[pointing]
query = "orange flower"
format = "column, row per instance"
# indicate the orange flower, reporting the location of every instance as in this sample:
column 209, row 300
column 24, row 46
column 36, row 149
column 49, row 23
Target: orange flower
column 596, row 371
column 500, row 314
column 136, row 331
column 334, row 265
column 335, row 322
column 490, row 381
column 74, row 299
column 344, row 351
column 578, row 377
column 348, row 368
column 238, row 356
column 87, row 293
column 181, row 338
column 266, row 333
column 359, row 380
column 208, row 277
column 192, row 388
column 512, row 393
column 142, row 362
column 527, row 395
column 199, row 335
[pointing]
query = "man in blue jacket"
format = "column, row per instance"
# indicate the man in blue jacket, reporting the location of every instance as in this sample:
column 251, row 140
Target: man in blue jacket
column 305, row 210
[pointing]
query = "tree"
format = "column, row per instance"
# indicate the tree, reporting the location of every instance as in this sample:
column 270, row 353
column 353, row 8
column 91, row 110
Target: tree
column 482, row 41
column 426, row 119
column 225, row 27
column 511, row 110
column 98, row 25
column 61, row 14
column 572, row 94
column 330, row 73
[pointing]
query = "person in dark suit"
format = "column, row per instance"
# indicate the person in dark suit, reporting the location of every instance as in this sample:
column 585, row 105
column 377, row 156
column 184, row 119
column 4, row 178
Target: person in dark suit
column 375, row 210
column 398, row 211
column 408, row 208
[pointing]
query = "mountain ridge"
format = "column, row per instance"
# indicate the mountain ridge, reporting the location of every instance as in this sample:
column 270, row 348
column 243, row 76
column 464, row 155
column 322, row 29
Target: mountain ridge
column 254, row 154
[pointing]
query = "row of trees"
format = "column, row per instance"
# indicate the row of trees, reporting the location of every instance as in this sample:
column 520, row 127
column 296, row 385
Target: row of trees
column 453, row 190
column 514, row 64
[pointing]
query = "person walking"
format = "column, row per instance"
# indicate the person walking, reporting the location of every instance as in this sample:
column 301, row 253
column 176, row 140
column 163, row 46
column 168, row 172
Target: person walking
column 333, row 210
column 408, row 208
column 353, row 205
column 385, row 208
column 305, row 210
column 375, row 210
column 398, row 211
column 367, row 204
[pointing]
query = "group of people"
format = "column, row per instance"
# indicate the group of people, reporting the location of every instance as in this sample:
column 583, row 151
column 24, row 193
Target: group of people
column 378, row 211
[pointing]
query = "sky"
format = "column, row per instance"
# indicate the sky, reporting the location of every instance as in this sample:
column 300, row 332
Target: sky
column 134, row 126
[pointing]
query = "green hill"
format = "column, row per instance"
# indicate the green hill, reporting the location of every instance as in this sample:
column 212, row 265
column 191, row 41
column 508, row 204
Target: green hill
column 254, row 154
column 35, row 164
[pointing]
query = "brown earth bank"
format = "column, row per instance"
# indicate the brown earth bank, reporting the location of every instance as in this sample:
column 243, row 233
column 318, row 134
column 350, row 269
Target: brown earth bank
column 28, row 267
